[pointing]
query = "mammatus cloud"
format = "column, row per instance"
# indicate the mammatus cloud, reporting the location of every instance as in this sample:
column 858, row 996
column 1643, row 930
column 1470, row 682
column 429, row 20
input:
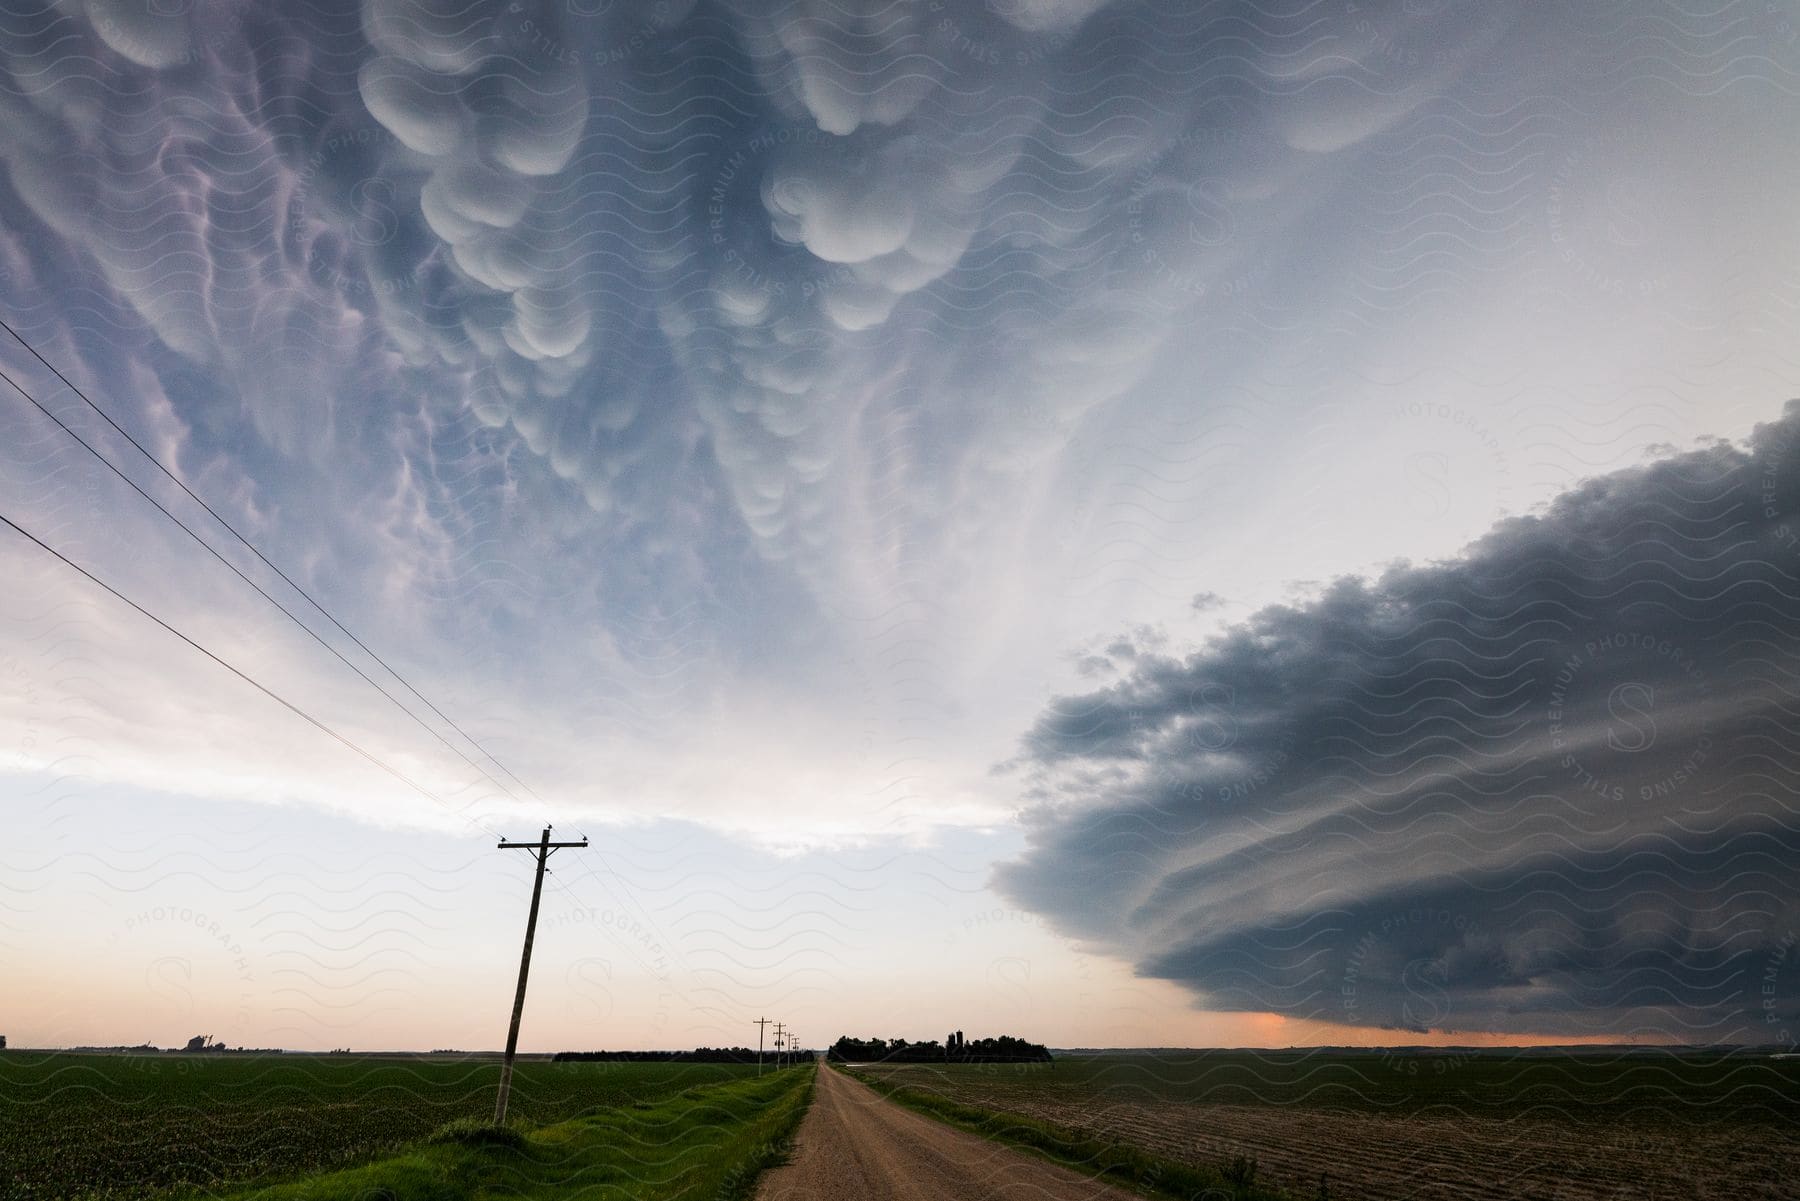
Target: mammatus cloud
column 746, row 251
column 1546, row 786
column 664, row 352
column 703, row 321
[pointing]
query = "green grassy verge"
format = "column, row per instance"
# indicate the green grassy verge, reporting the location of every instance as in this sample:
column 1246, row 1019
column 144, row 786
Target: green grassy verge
column 1118, row 1163
column 707, row 1143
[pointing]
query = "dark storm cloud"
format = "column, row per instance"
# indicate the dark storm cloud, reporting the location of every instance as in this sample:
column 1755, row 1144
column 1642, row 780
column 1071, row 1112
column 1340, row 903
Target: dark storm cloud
column 1547, row 786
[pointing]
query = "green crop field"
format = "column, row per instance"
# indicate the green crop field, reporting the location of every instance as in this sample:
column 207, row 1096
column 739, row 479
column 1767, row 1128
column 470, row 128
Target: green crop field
column 124, row 1126
column 1596, row 1126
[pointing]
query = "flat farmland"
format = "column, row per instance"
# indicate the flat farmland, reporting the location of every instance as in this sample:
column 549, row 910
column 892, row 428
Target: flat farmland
column 120, row 1126
column 1424, row 1127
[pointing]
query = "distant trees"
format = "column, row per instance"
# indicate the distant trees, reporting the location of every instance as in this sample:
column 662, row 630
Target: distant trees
column 697, row 1055
column 955, row 1048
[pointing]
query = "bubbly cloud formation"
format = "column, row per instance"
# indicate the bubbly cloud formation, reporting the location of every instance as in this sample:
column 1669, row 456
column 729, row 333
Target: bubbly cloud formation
column 669, row 240
column 675, row 313
column 666, row 356
column 1542, row 787
column 744, row 415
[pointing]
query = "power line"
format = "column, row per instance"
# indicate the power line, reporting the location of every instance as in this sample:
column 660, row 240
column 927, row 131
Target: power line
column 277, row 697
column 313, row 601
column 664, row 940
column 70, row 384
column 246, row 677
column 236, row 671
column 235, row 570
column 264, row 593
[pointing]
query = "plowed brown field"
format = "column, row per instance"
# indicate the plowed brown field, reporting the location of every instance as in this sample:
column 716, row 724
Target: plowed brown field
column 1580, row 1131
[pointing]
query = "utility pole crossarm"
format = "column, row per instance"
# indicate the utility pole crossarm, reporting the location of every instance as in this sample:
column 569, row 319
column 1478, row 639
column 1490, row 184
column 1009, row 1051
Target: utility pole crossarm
column 543, row 846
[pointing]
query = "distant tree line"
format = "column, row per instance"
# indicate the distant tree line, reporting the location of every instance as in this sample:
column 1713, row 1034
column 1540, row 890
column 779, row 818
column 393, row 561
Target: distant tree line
column 200, row 1044
column 954, row 1049
column 697, row 1055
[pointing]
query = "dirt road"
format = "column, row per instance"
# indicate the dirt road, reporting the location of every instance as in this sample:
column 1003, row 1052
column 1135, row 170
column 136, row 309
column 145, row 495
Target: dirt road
column 854, row 1146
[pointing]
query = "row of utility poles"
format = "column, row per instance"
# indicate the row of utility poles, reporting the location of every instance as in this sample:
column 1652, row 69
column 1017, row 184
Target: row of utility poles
column 785, row 1042
column 786, row 1045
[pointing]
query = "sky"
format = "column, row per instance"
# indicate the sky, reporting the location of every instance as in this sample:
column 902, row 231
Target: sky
column 1121, row 523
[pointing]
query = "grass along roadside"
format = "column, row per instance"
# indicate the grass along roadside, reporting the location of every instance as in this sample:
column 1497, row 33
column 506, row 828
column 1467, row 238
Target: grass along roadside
column 128, row 1127
column 708, row 1143
column 1117, row 1163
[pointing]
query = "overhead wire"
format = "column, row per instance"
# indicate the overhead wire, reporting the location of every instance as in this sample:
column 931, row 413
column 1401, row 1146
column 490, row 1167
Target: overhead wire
column 261, row 591
column 241, row 674
column 314, row 634
column 255, row 550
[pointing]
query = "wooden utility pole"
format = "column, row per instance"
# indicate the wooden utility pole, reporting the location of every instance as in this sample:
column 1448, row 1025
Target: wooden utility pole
column 777, row 1046
column 760, row 1023
column 544, row 848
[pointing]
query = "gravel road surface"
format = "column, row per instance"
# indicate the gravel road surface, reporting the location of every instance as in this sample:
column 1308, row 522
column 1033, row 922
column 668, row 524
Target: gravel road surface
column 854, row 1146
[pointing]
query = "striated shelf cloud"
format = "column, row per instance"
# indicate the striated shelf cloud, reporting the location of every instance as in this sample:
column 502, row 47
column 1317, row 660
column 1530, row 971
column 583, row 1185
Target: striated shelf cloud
column 1546, row 786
